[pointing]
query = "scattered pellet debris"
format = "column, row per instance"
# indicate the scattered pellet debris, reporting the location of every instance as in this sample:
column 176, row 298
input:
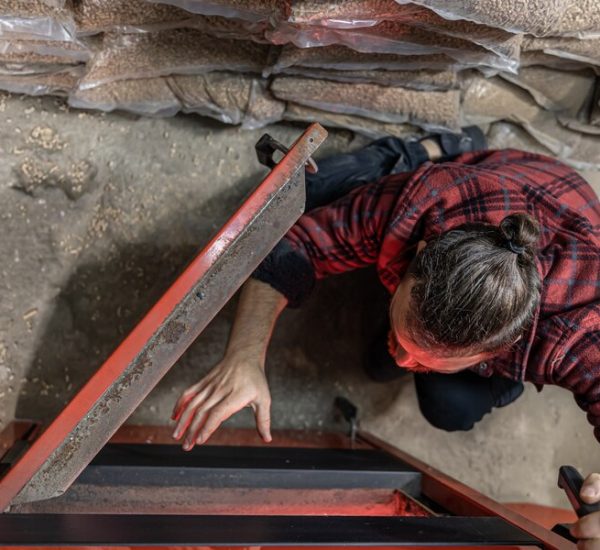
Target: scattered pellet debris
column 29, row 314
column 45, row 138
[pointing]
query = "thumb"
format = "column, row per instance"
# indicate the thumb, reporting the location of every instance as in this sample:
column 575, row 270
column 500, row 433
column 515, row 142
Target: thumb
column 262, row 412
column 590, row 490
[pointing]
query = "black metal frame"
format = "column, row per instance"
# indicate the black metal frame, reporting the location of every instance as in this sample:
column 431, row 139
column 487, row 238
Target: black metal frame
column 71, row 529
column 249, row 467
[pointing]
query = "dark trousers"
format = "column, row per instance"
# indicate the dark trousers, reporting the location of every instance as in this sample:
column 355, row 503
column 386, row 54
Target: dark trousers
column 448, row 401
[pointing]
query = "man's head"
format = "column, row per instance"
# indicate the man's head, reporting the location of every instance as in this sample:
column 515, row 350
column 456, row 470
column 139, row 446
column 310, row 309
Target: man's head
column 469, row 293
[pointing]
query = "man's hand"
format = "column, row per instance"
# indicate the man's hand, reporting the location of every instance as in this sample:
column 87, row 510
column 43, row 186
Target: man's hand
column 587, row 529
column 232, row 385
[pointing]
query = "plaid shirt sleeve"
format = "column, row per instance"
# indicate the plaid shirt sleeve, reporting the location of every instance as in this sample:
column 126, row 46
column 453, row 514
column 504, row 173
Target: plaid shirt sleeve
column 331, row 240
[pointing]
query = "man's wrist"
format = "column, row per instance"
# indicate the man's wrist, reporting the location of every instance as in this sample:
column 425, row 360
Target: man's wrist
column 246, row 353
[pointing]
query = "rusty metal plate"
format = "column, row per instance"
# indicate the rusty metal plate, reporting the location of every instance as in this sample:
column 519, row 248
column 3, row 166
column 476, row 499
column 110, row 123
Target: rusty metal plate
column 71, row 441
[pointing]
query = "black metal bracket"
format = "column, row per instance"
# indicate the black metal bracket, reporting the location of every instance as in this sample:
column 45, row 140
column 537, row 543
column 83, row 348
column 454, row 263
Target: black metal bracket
column 266, row 147
column 349, row 412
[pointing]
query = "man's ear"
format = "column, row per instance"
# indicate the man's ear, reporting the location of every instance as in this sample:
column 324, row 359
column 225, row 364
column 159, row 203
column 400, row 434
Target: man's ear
column 421, row 245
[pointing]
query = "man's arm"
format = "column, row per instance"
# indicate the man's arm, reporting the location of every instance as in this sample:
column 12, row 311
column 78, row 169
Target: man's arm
column 342, row 236
column 239, row 380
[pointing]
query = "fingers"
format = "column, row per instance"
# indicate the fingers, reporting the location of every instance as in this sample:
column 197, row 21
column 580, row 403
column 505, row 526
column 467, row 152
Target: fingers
column 217, row 415
column 262, row 412
column 203, row 407
column 187, row 414
column 590, row 490
column 588, row 527
column 185, row 398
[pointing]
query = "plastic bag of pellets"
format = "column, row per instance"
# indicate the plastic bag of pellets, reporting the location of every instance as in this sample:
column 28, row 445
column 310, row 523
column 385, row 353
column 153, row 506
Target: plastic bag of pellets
column 179, row 51
column 584, row 51
column 96, row 16
column 365, row 13
column 131, row 16
column 248, row 10
column 431, row 110
column 35, row 20
column 580, row 18
column 59, row 83
column 24, row 64
column 529, row 59
column 345, row 14
column 415, row 80
column 567, row 92
column 391, row 37
column 341, row 58
column 69, row 52
column 367, row 127
column 229, row 97
column 492, row 100
column 145, row 96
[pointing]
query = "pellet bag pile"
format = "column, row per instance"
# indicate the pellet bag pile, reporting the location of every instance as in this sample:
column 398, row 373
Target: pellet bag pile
column 375, row 67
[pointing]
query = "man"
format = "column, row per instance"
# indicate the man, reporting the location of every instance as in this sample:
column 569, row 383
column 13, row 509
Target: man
column 491, row 259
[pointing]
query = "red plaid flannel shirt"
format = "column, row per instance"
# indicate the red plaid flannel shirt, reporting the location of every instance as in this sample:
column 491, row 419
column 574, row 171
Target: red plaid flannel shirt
column 382, row 222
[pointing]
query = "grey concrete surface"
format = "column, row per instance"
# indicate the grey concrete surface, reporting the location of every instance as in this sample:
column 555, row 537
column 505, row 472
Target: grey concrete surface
column 98, row 214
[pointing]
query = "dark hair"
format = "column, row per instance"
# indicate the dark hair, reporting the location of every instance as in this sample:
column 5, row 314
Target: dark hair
column 476, row 287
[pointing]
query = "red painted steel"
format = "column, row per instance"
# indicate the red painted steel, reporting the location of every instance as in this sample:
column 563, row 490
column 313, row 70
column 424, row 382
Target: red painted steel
column 462, row 500
column 60, row 429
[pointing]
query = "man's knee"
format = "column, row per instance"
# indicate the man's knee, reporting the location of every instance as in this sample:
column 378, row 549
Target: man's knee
column 451, row 418
column 453, row 402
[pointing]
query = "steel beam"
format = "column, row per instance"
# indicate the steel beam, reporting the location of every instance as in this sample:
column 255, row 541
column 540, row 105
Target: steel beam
column 245, row 531
column 72, row 440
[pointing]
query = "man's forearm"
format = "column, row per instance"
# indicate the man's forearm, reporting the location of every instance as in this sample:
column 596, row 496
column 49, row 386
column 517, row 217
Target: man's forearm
column 258, row 309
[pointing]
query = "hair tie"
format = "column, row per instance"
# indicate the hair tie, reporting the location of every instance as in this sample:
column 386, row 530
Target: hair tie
column 515, row 248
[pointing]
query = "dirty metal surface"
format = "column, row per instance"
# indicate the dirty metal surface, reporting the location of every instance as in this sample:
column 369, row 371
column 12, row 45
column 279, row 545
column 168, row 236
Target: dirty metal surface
column 76, row 435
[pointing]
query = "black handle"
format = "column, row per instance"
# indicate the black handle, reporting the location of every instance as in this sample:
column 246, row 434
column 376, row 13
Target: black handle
column 570, row 480
column 265, row 149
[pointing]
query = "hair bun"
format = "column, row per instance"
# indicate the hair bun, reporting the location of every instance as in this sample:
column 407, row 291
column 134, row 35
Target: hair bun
column 521, row 231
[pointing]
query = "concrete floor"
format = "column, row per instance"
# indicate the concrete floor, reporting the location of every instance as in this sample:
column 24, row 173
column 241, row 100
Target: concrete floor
column 99, row 213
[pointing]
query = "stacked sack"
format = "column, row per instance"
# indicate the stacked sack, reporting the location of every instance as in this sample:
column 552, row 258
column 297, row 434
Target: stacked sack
column 39, row 53
column 376, row 67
